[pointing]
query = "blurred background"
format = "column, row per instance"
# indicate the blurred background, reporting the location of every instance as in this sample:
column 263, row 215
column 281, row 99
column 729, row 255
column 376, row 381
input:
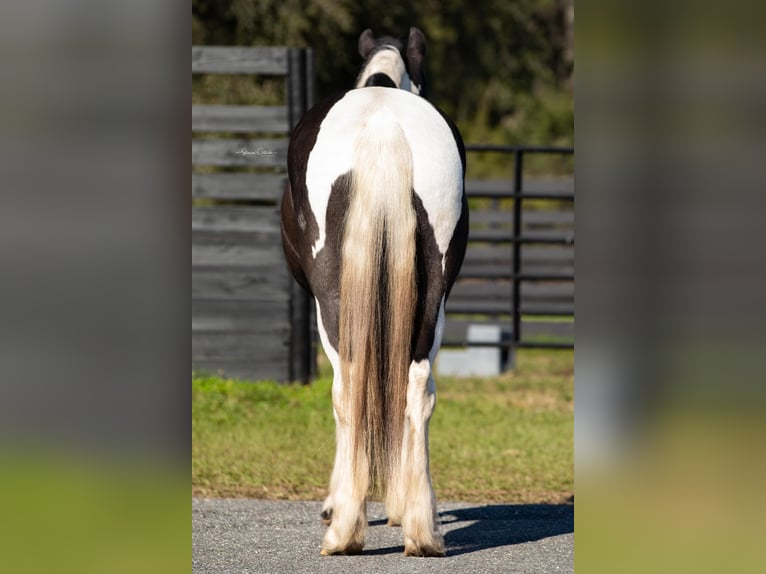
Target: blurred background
column 670, row 381
column 501, row 70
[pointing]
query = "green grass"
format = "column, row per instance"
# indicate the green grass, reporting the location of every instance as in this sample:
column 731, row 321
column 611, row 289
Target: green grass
column 506, row 438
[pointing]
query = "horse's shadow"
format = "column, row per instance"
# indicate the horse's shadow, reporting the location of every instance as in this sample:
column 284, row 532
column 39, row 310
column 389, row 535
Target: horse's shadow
column 499, row 525
column 504, row 525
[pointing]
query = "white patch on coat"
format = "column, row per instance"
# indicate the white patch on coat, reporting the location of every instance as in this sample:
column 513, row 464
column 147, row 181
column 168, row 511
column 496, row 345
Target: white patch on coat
column 437, row 169
column 420, row 520
column 389, row 61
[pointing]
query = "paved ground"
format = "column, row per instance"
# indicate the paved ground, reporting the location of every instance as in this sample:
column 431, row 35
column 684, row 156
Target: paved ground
column 244, row 536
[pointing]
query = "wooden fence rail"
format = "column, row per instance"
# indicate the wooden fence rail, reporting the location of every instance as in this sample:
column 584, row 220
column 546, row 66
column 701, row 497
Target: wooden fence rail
column 249, row 318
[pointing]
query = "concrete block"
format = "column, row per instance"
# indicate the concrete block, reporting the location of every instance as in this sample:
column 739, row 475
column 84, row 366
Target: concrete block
column 477, row 361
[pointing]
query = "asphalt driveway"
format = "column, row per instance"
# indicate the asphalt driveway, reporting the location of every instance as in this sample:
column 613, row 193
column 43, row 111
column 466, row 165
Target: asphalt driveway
column 243, row 536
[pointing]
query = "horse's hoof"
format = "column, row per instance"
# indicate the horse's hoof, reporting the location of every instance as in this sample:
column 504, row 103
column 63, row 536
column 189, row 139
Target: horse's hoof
column 327, row 516
column 347, row 551
column 426, row 550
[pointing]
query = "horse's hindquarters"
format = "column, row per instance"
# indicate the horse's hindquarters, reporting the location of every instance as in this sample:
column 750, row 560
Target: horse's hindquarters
column 380, row 225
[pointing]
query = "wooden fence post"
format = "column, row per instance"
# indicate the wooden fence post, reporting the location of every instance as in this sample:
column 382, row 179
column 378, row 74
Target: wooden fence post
column 302, row 366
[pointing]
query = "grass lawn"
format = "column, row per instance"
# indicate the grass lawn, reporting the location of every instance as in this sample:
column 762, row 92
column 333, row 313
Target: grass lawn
column 500, row 439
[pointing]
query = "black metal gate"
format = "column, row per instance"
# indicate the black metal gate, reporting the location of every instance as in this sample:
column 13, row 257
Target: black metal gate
column 520, row 262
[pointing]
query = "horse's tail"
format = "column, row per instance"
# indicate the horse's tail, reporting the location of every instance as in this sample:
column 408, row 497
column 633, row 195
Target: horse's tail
column 378, row 294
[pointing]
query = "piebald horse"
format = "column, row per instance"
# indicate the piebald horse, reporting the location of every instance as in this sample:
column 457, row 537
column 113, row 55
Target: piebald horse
column 374, row 226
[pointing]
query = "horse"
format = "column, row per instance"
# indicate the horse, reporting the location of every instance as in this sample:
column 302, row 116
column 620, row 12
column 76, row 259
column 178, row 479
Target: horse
column 374, row 227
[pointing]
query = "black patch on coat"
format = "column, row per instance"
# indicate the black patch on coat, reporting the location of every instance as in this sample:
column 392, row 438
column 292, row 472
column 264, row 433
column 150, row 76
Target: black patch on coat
column 299, row 227
column 379, row 79
column 291, row 238
column 324, row 271
column 430, row 282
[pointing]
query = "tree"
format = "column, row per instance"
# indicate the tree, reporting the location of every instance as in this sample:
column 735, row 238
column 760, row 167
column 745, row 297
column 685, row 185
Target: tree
column 501, row 69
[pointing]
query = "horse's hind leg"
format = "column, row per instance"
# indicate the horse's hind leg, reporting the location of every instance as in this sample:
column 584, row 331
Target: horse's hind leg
column 419, row 521
column 340, row 450
column 396, row 487
column 345, row 509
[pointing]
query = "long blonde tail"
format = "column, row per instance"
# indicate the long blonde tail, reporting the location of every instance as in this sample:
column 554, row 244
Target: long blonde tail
column 378, row 294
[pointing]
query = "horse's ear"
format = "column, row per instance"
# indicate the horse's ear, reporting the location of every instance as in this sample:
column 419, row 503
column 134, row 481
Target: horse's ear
column 416, row 52
column 366, row 43
column 416, row 45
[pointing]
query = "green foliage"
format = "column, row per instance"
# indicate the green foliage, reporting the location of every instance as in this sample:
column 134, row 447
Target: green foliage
column 501, row 70
column 238, row 90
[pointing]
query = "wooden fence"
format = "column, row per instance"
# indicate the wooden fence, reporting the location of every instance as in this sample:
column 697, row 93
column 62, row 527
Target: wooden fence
column 249, row 318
